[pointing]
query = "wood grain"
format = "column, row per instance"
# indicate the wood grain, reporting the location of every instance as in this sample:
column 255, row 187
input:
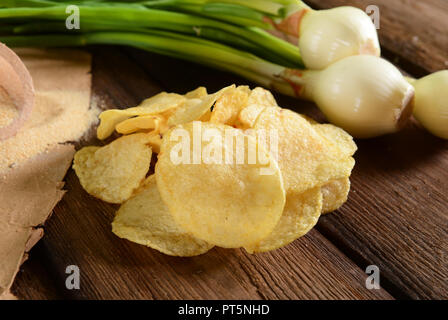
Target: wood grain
column 396, row 216
column 35, row 280
column 413, row 33
column 79, row 233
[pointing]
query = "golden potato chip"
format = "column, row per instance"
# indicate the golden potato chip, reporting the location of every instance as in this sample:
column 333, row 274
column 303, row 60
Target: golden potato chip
column 161, row 102
column 246, row 89
column 306, row 160
column 154, row 141
column 338, row 137
column 247, row 117
column 229, row 105
column 301, row 213
column 335, row 194
column 157, row 104
column 194, row 109
column 113, row 172
column 199, row 92
column 258, row 100
column 132, row 125
column 262, row 97
column 206, row 116
column 108, row 120
column 145, row 219
column 212, row 193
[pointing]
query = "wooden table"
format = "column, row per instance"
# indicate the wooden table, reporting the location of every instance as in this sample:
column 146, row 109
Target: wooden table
column 396, row 217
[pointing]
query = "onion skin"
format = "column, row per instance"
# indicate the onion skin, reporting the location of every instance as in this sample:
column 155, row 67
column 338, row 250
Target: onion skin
column 18, row 84
column 431, row 103
column 365, row 95
column 327, row 36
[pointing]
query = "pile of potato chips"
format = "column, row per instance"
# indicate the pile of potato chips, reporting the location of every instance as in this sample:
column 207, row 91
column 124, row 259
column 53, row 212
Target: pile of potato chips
column 184, row 208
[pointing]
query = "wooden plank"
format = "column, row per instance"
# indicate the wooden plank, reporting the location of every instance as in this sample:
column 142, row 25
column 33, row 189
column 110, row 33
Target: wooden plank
column 413, row 31
column 397, row 214
column 396, row 217
column 79, row 233
column 35, row 280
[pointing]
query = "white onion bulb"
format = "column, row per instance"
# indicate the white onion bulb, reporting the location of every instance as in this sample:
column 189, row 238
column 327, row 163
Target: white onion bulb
column 365, row 95
column 431, row 103
column 327, row 36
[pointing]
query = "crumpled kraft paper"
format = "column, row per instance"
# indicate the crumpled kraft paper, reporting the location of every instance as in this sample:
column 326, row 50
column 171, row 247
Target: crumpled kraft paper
column 31, row 188
column 28, row 195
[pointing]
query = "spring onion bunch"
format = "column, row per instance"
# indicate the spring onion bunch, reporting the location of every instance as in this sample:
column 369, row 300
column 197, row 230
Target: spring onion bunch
column 316, row 38
column 42, row 16
column 365, row 95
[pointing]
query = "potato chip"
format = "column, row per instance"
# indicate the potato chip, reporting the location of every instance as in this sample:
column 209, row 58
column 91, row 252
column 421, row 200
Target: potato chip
column 338, row 138
column 206, row 116
column 247, row 117
column 262, row 97
column 246, row 89
column 145, row 219
column 335, row 135
column 192, row 109
column 306, row 160
column 199, row 92
column 161, row 102
column 196, row 108
column 301, row 213
column 114, row 171
column 335, row 194
column 132, row 125
column 154, row 141
column 258, row 100
column 157, row 104
column 227, row 203
column 229, row 105
column 108, row 120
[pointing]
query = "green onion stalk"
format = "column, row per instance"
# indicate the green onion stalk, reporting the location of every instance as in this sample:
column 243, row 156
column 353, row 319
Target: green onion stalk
column 44, row 15
column 175, row 45
column 314, row 38
column 321, row 36
column 348, row 92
